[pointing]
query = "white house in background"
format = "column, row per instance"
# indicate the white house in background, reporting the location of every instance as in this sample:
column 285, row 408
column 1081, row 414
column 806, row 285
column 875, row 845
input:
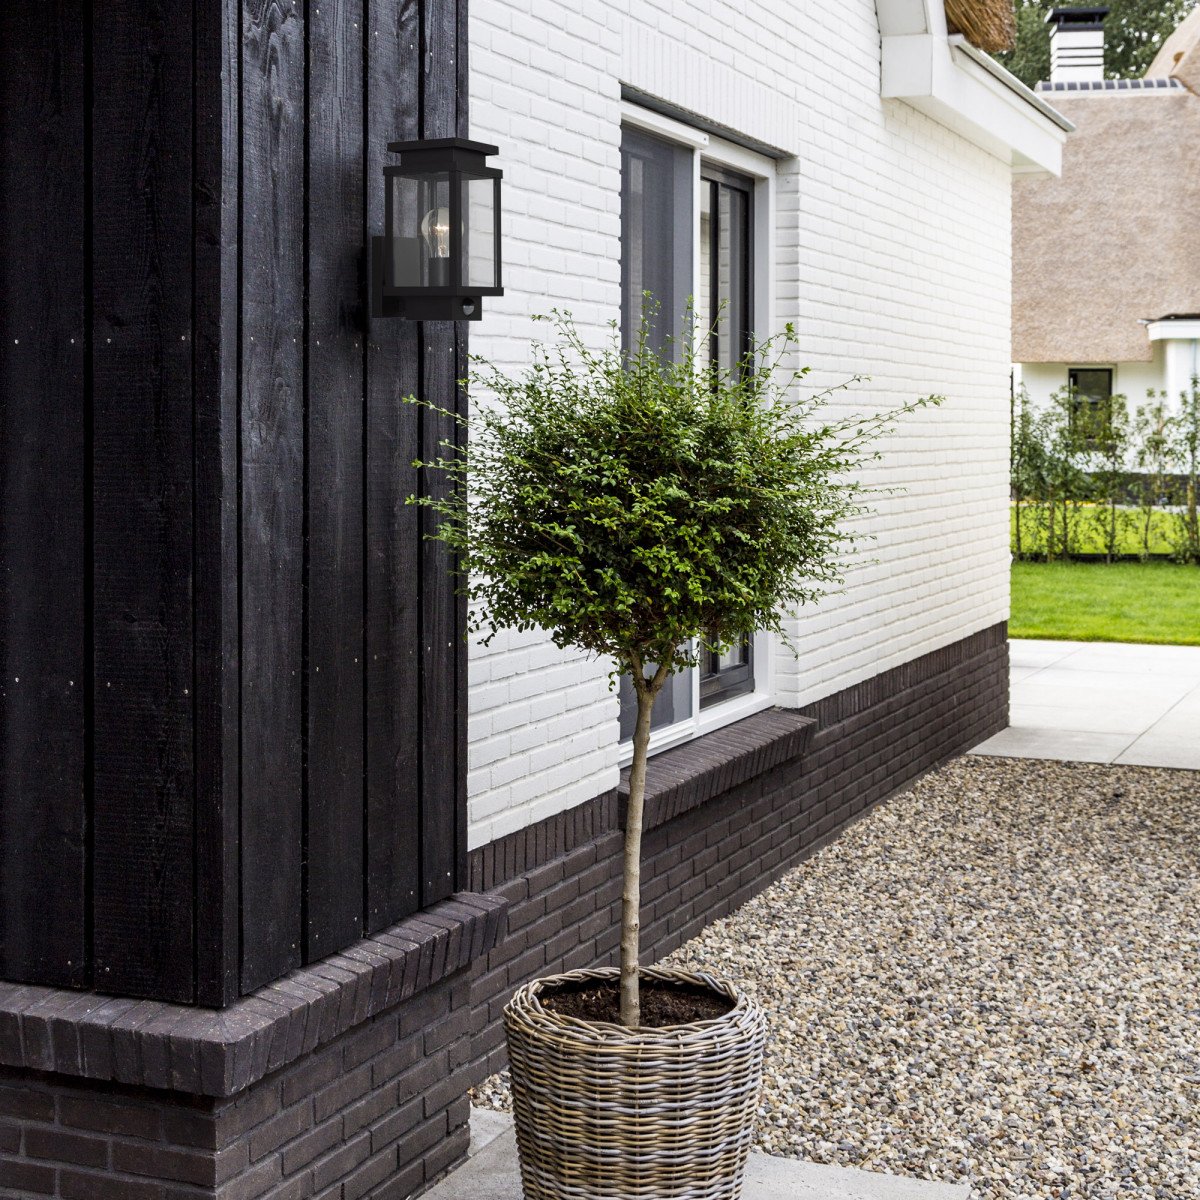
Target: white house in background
column 1106, row 257
column 851, row 166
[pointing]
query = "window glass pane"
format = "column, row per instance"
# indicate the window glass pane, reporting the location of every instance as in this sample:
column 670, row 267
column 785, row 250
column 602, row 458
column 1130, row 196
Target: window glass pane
column 674, row 703
column 727, row 675
column 479, row 242
column 732, row 277
column 1095, row 384
column 656, row 257
column 656, row 235
column 1091, row 393
column 706, row 292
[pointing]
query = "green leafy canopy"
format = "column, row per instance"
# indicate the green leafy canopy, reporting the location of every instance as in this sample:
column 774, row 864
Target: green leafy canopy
column 642, row 504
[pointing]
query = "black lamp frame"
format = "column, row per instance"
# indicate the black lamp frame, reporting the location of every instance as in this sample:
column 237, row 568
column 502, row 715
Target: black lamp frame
column 456, row 300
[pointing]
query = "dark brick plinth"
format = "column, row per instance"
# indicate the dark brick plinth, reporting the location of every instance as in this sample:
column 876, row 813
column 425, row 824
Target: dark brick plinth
column 733, row 812
column 346, row 1079
column 693, row 774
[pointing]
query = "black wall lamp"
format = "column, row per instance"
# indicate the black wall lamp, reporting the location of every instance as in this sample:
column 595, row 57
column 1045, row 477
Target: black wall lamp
column 440, row 252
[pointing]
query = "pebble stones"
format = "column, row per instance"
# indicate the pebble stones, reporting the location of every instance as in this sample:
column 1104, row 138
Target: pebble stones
column 993, row 979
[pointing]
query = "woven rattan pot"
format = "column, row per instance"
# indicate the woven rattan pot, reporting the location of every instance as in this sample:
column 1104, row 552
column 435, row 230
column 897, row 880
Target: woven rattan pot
column 608, row 1113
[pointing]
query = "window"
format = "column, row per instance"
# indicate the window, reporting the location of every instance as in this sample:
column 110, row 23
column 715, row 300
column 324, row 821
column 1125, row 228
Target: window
column 688, row 210
column 656, row 242
column 725, row 265
column 1091, row 402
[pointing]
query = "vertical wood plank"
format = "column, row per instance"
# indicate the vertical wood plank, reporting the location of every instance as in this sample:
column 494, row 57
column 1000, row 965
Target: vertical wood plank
column 334, row 787
column 439, row 604
column 142, row 498
column 392, row 691
column 216, row 141
column 43, row 678
column 272, row 485
column 461, row 367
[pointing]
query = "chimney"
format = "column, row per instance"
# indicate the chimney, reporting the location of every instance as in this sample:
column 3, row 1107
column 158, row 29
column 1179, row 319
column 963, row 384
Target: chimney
column 1077, row 44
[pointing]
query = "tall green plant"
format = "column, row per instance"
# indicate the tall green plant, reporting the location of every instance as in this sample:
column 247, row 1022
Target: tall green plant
column 1070, row 430
column 1187, row 448
column 1155, row 452
column 1109, row 474
column 643, row 507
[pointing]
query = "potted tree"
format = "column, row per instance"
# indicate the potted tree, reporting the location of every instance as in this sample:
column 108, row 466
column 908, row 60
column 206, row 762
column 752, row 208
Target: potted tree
column 643, row 505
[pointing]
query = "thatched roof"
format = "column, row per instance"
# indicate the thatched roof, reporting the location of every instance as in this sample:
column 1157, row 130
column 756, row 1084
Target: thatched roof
column 988, row 24
column 1116, row 238
column 1179, row 56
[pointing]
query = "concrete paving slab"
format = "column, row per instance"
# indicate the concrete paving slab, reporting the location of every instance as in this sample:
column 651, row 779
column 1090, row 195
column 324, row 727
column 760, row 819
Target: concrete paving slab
column 1151, row 661
column 1063, row 745
column 769, row 1178
column 1024, row 652
column 491, row 1172
column 1103, row 686
column 1158, row 754
column 1084, row 718
column 1102, row 702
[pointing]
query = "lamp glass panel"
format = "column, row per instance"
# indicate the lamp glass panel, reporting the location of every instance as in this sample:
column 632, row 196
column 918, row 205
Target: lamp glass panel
column 420, row 230
column 479, row 241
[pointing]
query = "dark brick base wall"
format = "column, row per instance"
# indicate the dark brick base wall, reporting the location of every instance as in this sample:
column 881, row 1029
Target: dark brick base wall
column 563, row 879
column 379, row 1112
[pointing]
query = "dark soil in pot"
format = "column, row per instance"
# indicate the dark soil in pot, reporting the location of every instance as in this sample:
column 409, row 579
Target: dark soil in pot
column 663, row 1004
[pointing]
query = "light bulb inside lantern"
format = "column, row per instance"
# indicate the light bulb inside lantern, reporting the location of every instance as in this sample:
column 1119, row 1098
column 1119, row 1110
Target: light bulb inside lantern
column 435, row 229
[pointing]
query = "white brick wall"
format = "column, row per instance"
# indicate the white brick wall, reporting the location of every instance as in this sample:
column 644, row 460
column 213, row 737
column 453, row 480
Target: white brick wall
column 891, row 252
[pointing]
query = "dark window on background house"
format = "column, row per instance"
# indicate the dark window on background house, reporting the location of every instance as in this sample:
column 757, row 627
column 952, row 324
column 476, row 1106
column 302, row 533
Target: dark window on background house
column 657, row 231
column 1091, row 401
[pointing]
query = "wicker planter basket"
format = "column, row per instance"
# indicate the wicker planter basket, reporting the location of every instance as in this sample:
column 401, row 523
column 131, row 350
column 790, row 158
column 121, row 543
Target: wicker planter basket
column 604, row 1112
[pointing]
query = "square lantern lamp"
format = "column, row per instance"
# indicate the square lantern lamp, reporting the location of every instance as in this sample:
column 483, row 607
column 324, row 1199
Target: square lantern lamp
column 440, row 252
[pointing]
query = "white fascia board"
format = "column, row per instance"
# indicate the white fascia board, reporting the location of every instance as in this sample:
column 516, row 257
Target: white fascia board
column 952, row 82
column 1179, row 329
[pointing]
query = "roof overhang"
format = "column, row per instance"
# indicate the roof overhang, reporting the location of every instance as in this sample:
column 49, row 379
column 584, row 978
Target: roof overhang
column 964, row 89
column 1169, row 329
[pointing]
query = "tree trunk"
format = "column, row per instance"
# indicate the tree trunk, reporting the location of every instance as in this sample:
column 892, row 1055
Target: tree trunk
column 631, row 892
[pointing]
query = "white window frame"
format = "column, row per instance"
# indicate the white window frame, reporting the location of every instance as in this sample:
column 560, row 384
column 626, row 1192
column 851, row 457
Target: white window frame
column 720, row 153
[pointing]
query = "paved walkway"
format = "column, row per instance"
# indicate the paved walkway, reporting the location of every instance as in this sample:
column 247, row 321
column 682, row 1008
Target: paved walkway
column 491, row 1173
column 1103, row 702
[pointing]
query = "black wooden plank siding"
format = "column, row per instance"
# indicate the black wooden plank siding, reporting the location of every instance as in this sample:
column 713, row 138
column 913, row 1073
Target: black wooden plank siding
column 334, row 787
column 142, row 499
column 43, row 476
column 393, row 633
column 216, row 375
column 439, row 118
column 232, row 719
column 461, row 365
column 272, row 467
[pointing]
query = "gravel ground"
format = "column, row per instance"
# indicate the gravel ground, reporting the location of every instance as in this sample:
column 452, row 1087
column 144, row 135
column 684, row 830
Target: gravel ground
column 992, row 979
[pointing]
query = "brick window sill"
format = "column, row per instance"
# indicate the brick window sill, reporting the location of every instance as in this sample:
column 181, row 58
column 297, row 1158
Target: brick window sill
column 220, row 1053
column 687, row 776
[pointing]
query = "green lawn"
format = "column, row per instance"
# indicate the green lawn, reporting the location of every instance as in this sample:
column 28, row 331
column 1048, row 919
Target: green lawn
column 1106, row 602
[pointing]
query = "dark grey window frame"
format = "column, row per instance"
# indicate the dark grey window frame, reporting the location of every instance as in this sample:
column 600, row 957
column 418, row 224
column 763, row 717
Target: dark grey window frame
column 1097, row 418
column 717, row 683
